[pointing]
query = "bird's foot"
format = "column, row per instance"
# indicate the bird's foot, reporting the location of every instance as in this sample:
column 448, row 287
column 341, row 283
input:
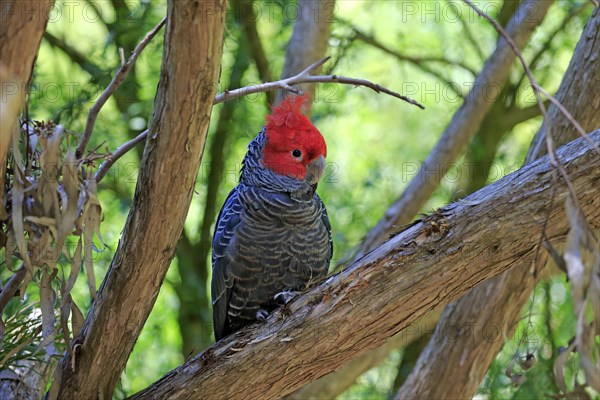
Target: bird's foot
column 285, row 296
column 262, row 314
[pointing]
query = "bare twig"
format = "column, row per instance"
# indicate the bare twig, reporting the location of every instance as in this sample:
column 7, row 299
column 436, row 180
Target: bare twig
column 569, row 117
column 306, row 77
column 537, row 57
column 515, row 49
column 466, row 28
column 118, row 153
column 113, row 86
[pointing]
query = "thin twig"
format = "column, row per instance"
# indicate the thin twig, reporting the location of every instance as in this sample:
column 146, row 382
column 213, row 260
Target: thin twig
column 118, row 153
column 119, row 77
column 466, row 28
column 306, row 77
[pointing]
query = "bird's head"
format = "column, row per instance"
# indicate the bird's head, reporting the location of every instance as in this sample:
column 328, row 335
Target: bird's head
column 294, row 146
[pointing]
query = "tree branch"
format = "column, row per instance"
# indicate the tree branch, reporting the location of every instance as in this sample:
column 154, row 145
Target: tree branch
column 112, row 87
column 431, row 263
column 418, row 61
column 375, row 43
column 75, row 55
column 118, row 153
column 332, row 385
column 516, row 115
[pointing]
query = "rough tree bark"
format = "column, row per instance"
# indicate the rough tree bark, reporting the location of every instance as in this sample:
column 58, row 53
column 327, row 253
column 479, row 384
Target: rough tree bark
column 309, row 40
column 167, row 176
column 431, row 263
column 23, row 25
column 498, row 303
column 22, row 28
column 331, row 385
column 465, row 123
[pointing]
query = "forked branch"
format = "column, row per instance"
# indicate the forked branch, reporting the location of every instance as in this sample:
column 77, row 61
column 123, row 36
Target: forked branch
column 306, row 77
column 113, row 86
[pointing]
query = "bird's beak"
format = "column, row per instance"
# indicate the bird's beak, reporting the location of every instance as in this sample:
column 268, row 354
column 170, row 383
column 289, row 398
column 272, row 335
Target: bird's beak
column 314, row 170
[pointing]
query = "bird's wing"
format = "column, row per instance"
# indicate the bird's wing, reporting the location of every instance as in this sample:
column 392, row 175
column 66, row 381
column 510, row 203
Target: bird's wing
column 222, row 282
column 325, row 219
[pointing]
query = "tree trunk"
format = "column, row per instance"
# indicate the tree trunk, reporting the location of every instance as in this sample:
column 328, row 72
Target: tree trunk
column 167, row 176
column 458, row 366
column 431, row 263
column 23, row 25
column 22, row 28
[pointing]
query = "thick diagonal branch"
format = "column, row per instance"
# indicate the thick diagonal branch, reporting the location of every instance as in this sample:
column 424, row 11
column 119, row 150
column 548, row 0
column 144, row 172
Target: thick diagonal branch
column 499, row 302
column 432, row 263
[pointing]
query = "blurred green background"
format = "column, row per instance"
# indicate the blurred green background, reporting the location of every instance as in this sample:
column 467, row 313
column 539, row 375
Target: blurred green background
column 375, row 144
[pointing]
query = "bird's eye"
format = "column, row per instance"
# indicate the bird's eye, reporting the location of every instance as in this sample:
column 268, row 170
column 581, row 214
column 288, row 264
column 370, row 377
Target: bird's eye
column 297, row 153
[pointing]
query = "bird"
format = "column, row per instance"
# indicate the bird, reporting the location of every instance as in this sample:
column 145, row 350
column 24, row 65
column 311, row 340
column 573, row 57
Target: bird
column 272, row 238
